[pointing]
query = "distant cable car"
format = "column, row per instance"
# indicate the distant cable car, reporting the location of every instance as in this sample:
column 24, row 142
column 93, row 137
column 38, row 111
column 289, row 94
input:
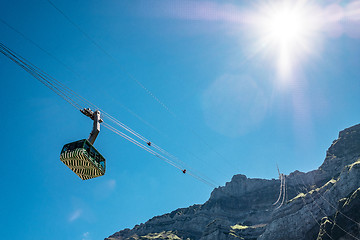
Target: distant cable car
column 81, row 156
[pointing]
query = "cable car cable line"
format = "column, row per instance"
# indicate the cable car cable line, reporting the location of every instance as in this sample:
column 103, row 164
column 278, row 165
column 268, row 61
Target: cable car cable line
column 71, row 70
column 281, row 188
column 144, row 139
column 38, row 74
column 321, row 195
column 283, row 191
column 118, row 132
column 281, row 185
column 64, row 92
column 312, row 215
column 38, row 46
column 35, row 73
column 108, row 54
column 41, row 76
column 147, row 141
column 113, row 59
column 321, row 209
column 80, row 98
column 335, row 208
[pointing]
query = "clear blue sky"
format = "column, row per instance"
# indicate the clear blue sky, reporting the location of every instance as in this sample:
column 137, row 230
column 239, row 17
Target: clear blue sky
column 261, row 84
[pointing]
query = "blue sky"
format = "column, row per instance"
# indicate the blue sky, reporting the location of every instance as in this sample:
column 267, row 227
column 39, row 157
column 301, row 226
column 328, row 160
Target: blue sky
column 247, row 93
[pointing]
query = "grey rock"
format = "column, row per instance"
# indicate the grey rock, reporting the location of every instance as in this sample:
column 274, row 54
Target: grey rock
column 243, row 208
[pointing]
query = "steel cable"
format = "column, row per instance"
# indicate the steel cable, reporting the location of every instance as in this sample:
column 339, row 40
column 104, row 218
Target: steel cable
column 110, row 56
column 305, row 188
column 64, row 92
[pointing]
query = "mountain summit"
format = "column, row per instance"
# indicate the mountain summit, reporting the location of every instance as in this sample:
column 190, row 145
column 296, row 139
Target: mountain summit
column 321, row 204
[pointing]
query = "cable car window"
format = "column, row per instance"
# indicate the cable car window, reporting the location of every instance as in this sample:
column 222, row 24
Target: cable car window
column 87, row 146
column 102, row 164
column 65, row 148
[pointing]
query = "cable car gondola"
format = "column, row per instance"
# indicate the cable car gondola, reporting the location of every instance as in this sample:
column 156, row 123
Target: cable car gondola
column 81, row 156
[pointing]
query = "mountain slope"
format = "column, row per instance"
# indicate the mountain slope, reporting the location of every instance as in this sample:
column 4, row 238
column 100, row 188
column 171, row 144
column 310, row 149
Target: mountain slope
column 243, row 209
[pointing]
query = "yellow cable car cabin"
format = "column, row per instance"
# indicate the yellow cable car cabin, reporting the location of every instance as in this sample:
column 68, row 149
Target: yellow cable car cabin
column 81, row 156
column 83, row 159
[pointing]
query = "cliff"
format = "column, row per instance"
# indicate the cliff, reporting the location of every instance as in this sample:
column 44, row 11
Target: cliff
column 321, row 204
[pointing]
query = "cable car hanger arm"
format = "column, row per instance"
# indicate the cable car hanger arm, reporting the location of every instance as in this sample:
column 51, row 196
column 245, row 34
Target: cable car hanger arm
column 95, row 116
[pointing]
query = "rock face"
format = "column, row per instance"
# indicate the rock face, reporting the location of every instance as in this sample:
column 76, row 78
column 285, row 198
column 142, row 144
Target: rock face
column 321, row 204
column 344, row 223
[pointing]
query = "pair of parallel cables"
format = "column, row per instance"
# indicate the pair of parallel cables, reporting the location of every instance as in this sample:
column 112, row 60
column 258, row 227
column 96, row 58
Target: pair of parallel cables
column 324, row 212
column 147, row 90
column 78, row 102
column 283, row 193
column 64, row 92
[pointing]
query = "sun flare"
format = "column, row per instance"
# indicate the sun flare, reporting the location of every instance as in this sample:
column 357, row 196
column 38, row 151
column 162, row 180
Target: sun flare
column 285, row 26
column 287, row 29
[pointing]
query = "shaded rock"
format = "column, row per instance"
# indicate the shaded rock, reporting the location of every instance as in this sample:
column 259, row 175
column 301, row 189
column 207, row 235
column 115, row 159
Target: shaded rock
column 319, row 205
column 345, row 223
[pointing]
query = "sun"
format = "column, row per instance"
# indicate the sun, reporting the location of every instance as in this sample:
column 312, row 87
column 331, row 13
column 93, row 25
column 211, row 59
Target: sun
column 287, row 29
column 285, row 26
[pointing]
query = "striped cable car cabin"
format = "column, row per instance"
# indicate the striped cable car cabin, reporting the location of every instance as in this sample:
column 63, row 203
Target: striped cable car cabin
column 81, row 156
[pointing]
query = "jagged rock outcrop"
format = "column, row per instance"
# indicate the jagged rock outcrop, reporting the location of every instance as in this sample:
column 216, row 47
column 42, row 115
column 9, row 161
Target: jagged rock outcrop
column 344, row 223
column 319, row 205
column 242, row 198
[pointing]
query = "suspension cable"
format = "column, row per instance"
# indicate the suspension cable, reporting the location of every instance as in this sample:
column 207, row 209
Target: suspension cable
column 312, row 215
column 113, row 59
column 281, row 188
column 349, row 218
column 64, row 92
column 155, row 153
column 321, row 209
column 35, row 73
column 284, row 192
column 86, row 102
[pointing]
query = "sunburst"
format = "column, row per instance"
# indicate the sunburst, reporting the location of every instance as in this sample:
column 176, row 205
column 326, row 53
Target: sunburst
column 288, row 29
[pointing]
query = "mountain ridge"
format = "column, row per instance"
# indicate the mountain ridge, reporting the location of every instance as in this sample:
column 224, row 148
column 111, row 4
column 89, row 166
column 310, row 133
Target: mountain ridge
column 243, row 208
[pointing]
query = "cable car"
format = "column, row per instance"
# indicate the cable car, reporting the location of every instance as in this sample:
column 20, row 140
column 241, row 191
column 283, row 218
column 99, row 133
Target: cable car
column 81, row 156
column 83, row 159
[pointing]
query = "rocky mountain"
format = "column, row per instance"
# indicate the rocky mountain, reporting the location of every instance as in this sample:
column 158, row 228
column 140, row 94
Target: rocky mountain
column 320, row 204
